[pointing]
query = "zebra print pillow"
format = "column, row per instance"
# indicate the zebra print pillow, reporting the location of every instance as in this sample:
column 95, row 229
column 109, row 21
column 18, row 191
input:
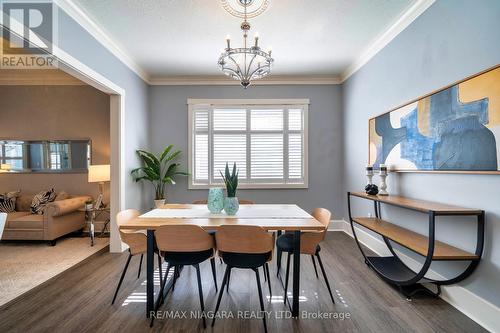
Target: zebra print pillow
column 41, row 200
column 8, row 202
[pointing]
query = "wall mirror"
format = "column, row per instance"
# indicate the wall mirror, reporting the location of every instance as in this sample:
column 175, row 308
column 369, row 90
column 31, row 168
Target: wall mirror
column 42, row 156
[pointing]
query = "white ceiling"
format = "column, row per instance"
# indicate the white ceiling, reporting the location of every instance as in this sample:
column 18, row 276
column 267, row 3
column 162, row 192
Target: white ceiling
column 184, row 37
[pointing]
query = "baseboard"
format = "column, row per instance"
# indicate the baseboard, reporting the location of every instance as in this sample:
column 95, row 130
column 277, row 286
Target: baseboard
column 336, row 225
column 476, row 308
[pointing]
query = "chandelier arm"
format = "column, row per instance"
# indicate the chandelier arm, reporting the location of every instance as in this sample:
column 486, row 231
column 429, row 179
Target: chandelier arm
column 261, row 68
column 235, row 63
column 232, row 71
column 250, row 64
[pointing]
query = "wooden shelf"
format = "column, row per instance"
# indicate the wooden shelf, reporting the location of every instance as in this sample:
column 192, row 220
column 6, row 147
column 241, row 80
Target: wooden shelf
column 414, row 241
column 419, row 205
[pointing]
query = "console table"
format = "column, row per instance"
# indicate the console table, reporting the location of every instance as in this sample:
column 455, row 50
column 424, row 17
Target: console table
column 392, row 269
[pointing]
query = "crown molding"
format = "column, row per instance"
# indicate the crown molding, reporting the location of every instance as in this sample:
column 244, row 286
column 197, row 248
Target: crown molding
column 223, row 80
column 405, row 19
column 386, row 37
column 82, row 18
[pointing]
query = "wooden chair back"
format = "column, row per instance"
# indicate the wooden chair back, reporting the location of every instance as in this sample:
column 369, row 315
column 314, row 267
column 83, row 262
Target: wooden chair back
column 136, row 240
column 183, row 238
column 310, row 240
column 241, row 201
column 244, row 239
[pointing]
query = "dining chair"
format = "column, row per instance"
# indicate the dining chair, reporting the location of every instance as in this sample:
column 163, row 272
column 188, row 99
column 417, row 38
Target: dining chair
column 137, row 243
column 183, row 245
column 309, row 244
column 204, row 202
column 3, row 220
column 244, row 247
column 241, row 201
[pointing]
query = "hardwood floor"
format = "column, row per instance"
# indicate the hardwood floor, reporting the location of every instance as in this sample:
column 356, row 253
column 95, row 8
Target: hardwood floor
column 79, row 300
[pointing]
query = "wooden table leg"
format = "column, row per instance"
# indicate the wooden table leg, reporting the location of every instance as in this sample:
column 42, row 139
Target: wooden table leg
column 296, row 273
column 150, row 273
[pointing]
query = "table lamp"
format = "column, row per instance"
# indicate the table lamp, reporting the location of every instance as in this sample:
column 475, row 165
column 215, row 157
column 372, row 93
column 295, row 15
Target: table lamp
column 99, row 174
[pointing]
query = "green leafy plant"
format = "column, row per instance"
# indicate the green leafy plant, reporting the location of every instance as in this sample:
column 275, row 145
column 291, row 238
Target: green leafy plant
column 159, row 170
column 231, row 180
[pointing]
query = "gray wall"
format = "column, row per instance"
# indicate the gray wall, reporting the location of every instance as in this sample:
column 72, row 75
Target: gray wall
column 169, row 125
column 74, row 40
column 450, row 41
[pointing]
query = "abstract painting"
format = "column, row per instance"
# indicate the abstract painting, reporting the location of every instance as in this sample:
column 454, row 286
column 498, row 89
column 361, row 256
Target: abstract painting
column 456, row 129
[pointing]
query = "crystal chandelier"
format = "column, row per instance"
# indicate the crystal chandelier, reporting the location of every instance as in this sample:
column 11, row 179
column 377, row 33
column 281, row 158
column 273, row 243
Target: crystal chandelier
column 245, row 63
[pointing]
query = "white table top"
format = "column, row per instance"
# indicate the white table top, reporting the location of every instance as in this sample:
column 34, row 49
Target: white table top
column 257, row 211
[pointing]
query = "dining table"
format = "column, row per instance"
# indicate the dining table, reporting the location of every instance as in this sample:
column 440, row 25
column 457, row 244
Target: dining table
column 271, row 217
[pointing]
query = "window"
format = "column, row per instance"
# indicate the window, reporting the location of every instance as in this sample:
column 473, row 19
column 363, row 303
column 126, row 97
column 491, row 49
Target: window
column 45, row 156
column 266, row 138
column 11, row 152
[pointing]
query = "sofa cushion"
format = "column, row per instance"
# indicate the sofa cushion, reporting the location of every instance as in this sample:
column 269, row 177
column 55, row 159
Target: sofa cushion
column 41, row 200
column 23, row 202
column 62, row 196
column 8, row 201
column 28, row 221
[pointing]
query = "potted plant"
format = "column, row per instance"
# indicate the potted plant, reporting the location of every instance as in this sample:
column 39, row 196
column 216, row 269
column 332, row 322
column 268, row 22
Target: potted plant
column 231, row 204
column 159, row 170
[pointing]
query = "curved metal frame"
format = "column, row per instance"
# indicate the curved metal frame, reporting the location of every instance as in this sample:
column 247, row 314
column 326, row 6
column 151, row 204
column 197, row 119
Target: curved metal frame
column 428, row 258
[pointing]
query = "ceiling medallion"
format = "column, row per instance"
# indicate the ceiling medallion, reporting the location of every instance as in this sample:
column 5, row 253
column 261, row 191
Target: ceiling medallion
column 237, row 7
column 246, row 63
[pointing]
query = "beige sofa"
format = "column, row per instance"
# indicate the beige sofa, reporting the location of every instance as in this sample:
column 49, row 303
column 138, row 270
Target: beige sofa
column 60, row 218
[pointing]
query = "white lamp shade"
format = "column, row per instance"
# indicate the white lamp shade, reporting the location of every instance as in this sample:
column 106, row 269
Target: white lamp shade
column 5, row 167
column 99, row 173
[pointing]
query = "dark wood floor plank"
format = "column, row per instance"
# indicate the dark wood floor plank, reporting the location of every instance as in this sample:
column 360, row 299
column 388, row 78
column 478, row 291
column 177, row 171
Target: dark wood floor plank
column 80, row 300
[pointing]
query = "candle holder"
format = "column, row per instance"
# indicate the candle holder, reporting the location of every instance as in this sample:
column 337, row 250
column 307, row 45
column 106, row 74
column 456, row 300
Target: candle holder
column 369, row 174
column 370, row 188
column 383, row 176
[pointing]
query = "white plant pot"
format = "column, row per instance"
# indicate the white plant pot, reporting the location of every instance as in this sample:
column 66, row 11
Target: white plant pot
column 159, row 203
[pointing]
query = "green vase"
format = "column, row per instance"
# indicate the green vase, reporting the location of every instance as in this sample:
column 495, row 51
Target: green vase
column 231, row 205
column 215, row 202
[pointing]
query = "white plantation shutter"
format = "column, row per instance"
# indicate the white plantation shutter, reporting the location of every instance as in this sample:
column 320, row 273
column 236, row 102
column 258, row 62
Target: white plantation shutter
column 267, row 142
column 266, row 161
column 295, row 160
column 229, row 148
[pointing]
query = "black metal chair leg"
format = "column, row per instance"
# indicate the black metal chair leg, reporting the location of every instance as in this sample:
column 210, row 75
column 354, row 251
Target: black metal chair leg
column 256, row 270
column 163, row 285
column 221, row 291
column 140, row 266
column 286, row 276
column 160, row 296
column 324, row 276
column 314, row 264
column 121, row 278
column 268, row 280
column 212, row 263
column 160, row 269
column 176, row 275
column 200, row 292
column 265, row 273
column 228, row 279
column 278, row 261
